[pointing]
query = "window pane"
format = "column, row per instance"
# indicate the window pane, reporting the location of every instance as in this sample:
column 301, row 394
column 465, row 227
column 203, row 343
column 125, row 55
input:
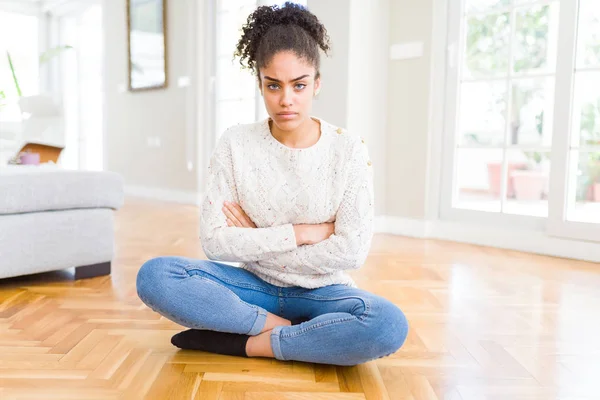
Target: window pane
column 536, row 34
column 234, row 5
column 482, row 113
column 19, row 36
column 233, row 112
column 229, row 25
column 234, row 82
column 588, row 35
column 584, row 187
column 479, row 179
column 487, row 45
column 586, row 109
column 528, row 178
column 532, row 111
column 484, row 5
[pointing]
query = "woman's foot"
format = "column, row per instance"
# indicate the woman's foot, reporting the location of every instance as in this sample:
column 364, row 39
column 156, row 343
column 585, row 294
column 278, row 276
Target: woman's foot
column 231, row 344
column 260, row 345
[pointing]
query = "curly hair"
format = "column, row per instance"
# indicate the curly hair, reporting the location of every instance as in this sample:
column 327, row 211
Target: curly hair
column 271, row 29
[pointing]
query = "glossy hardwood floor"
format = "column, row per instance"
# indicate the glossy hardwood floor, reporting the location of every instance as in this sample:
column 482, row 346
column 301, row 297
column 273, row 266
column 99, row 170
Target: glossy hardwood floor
column 485, row 324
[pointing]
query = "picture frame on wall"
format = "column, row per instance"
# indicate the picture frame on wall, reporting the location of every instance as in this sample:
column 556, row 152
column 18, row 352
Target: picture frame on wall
column 147, row 45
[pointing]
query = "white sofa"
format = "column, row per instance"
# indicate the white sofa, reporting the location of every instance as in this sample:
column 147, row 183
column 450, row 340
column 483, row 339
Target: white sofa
column 52, row 219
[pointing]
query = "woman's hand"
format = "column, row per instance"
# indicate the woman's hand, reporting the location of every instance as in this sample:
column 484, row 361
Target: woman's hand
column 312, row 234
column 236, row 216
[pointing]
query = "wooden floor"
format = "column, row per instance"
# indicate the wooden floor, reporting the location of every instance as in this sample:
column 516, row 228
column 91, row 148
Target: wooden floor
column 485, row 324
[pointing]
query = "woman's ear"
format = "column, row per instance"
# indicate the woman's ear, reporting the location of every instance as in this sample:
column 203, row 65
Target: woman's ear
column 317, row 86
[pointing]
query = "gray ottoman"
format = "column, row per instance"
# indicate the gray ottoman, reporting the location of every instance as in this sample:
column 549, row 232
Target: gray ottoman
column 52, row 219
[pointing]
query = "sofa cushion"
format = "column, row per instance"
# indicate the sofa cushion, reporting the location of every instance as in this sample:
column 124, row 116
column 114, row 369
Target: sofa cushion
column 26, row 188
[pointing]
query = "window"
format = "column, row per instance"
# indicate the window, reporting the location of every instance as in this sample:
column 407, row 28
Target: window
column 505, row 111
column 19, row 33
column 523, row 122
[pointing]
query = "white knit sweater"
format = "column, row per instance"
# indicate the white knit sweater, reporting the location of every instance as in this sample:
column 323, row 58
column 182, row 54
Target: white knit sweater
column 278, row 186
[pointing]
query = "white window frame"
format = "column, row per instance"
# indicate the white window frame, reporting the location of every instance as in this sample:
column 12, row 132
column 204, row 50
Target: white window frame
column 555, row 224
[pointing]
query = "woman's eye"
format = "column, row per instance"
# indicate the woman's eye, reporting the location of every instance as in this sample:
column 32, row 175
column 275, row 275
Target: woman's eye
column 273, row 86
column 300, row 86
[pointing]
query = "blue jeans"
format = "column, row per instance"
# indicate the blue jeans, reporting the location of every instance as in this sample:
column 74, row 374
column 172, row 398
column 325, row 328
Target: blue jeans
column 335, row 324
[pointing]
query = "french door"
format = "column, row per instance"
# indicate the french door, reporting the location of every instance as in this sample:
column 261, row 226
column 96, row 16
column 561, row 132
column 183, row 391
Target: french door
column 522, row 115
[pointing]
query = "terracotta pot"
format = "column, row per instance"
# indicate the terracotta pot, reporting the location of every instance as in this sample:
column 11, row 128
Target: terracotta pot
column 596, row 191
column 495, row 178
column 529, row 185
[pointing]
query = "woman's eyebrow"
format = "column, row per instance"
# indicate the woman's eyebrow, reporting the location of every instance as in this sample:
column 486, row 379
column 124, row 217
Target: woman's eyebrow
column 293, row 80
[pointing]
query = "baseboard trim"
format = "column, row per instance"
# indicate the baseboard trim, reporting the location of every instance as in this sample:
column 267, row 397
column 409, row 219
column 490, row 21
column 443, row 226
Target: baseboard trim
column 519, row 240
column 167, row 195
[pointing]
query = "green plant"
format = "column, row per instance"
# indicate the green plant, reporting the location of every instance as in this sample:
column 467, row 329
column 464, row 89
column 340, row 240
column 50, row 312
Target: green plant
column 535, row 159
column 53, row 52
column 43, row 58
column 487, row 48
column 14, row 74
column 594, row 168
column 590, row 123
column 589, row 174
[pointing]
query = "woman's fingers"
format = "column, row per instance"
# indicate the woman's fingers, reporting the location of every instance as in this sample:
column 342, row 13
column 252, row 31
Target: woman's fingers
column 231, row 217
column 236, row 212
column 238, row 217
column 242, row 216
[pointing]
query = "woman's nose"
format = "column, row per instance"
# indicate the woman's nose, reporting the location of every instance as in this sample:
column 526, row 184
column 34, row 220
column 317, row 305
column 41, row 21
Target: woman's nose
column 286, row 98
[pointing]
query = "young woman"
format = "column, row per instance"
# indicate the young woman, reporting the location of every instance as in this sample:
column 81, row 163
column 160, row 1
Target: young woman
column 291, row 198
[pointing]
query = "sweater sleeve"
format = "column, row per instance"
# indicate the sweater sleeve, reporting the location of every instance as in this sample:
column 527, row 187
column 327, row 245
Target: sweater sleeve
column 224, row 243
column 349, row 246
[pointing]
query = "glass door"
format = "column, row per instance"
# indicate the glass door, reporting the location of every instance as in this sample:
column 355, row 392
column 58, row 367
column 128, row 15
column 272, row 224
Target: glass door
column 82, row 85
column 522, row 117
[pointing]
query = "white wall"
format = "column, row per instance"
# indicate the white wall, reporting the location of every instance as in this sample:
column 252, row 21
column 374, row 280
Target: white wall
column 131, row 118
column 385, row 101
column 409, row 111
column 367, row 85
column 331, row 104
column 354, row 76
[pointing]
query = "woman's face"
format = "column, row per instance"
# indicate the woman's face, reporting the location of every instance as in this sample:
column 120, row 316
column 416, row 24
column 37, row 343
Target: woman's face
column 287, row 84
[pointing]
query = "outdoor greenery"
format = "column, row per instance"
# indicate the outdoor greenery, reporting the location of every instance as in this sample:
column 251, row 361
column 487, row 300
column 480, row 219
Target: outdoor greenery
column 487, row 55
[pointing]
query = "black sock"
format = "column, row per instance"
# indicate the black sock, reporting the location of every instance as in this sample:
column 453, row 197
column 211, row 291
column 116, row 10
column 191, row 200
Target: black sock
column 231, row 344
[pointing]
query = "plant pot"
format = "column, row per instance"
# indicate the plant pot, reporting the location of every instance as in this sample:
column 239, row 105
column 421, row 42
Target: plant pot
column 529, row 185
column 596, row 191
column 495, row 178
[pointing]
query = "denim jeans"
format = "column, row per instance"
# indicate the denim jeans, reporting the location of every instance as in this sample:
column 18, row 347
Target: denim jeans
column 336, row 324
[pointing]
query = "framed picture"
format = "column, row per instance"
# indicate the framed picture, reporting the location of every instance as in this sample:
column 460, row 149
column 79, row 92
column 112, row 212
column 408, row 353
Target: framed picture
column 147, row 44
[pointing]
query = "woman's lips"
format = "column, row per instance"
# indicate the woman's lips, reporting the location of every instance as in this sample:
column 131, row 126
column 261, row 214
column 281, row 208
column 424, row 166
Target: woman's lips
column 287, row 115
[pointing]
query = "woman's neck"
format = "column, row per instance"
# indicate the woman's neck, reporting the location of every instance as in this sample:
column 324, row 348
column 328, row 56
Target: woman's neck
column 304, row 136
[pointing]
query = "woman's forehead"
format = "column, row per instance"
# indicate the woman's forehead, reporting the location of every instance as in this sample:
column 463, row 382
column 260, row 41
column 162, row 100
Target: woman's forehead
column 287, row 65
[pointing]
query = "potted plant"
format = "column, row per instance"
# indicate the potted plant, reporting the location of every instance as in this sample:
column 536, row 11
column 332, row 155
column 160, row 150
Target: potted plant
column 530, row 181
column 594, row 177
